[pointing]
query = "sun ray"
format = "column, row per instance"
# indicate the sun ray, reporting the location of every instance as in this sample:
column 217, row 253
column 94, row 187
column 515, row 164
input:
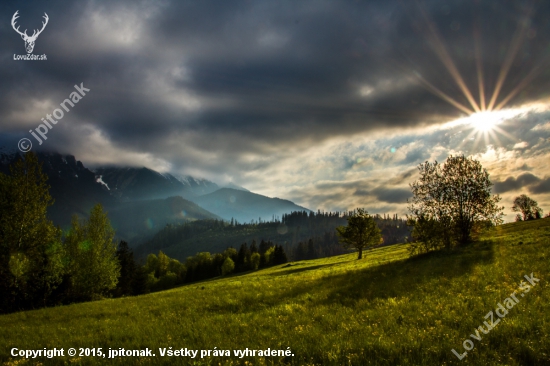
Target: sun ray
column 522, row 84
column 494, row 137
column 442, row 95
column 479, row 67
column 504, row 133
column 508, row 60
column 443, row 54
column 485, row 115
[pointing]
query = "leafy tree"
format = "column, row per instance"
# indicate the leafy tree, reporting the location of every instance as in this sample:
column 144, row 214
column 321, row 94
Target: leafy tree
column 528, row 207
column 429, row 234
column 163, row 262
column 200, row 267
column 228, row 266
column 360, row 233
column 162, row 272
column 152, row 264
column 168, row 280
column 231, row 253
column 178, row 269
column 264, row 246
column 94, row 268
column 451, row 200
column 31, row 253
column 267, row 258
column 255, row 261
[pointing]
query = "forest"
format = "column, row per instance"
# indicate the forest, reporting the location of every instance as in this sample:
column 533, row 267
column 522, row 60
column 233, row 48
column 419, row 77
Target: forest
column 302, row 234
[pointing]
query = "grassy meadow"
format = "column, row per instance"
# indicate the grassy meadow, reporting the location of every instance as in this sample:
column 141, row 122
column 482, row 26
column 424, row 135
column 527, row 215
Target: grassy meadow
column 386, row 309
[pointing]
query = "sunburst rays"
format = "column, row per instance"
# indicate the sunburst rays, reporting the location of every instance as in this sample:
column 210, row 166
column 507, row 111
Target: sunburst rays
column 487, row 112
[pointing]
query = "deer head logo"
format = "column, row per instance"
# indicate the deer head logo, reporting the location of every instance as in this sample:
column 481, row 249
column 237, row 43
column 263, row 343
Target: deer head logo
column 29, row 41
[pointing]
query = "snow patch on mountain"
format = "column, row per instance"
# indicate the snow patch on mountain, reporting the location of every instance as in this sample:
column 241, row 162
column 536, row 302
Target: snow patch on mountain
column 100, row 181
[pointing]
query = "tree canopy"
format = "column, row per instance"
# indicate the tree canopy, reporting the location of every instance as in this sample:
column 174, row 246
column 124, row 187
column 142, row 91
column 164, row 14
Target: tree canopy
column 450, row 200
column 30, row 245
column 94, row 267
column 360, row 233
column 528, row 207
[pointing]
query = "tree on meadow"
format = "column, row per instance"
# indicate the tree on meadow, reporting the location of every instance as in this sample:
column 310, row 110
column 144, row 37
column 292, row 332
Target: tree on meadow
column 31, row 254
column 360, row 233
column 450, row 201
column 528, row 207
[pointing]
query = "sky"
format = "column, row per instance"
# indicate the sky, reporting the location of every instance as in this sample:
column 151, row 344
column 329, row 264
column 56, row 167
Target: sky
column 330, row 104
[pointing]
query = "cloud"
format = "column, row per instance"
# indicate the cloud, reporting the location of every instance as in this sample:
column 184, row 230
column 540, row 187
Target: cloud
column 522, row 181
column 521, row 145
column 392, row 195
column 542, row 186
column 316, row 101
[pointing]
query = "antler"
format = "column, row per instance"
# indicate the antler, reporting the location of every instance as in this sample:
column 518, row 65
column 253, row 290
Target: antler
column 43, row 26
column 24, row 34
column 15, row 16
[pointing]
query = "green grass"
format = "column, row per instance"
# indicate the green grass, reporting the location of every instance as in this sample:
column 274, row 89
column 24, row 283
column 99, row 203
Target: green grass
column 386, row 309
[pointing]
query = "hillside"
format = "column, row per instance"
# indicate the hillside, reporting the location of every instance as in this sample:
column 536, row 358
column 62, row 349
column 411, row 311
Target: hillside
column 183, row 240
column 245, row 206
column 384, row 310
column 137, row 221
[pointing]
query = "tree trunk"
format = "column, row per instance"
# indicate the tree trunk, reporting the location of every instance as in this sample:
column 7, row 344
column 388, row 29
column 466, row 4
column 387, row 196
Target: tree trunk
column 360, row 253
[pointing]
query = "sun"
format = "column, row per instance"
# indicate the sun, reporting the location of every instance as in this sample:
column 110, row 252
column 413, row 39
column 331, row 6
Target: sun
column 486, row 121
column 487, row 126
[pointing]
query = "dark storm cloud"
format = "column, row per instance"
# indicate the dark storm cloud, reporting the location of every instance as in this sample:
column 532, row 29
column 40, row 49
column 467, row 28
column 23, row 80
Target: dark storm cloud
column 392, row 195
column 403, row 177
column 541, row 187
column 184, row 79
column 511, row 183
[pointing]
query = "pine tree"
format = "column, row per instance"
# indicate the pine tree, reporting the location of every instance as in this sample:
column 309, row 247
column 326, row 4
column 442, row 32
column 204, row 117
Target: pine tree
column 253, row 247
column 242, row 258
column 311, row 250
column 279, row 255
column 128, row 270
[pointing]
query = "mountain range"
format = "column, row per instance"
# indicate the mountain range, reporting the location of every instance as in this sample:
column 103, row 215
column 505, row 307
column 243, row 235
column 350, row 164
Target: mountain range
column 141, row 201
column 130, row 183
